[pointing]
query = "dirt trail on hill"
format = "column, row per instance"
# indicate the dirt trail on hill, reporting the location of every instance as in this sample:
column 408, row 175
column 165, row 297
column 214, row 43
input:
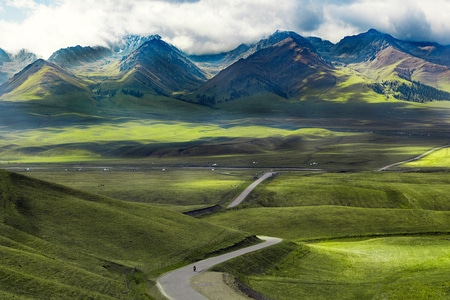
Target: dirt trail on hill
column 412, row 159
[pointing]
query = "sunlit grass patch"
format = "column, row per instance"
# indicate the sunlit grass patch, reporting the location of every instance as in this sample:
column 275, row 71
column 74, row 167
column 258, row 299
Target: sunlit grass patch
column 439, row 158
column 395, row 267
column 325, row 222
column 146, row 131
column 100, row 139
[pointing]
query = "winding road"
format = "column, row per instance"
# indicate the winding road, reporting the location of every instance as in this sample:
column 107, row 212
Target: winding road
column 250, row 188
column 176, row 284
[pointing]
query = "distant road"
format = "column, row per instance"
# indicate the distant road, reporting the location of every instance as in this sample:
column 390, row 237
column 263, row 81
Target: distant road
column 250, row 188
column 413, row 159
column 176, row 284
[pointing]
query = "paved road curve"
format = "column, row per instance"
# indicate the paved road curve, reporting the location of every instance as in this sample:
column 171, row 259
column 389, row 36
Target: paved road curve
column 176, row 284
column 250, row 188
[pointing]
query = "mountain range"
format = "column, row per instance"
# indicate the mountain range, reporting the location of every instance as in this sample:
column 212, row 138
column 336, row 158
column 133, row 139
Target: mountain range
column 284, row 64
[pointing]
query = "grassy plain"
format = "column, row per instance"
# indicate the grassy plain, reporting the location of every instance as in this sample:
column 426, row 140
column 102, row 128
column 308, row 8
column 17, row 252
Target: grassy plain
column 274, row 131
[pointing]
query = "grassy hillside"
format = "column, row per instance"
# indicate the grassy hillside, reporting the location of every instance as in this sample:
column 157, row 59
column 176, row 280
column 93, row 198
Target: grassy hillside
column 325, row 222
column 377, row 268
column 60, row 243
column 50, row 84
column 302, row 206
column 180, row 187
column 365, row 190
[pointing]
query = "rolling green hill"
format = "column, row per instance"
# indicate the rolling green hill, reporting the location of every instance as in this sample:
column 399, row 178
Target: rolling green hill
column 58, row 243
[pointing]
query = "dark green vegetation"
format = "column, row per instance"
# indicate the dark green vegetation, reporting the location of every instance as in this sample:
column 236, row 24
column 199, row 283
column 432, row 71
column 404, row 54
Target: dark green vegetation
column 415, row 91
column 61, row 243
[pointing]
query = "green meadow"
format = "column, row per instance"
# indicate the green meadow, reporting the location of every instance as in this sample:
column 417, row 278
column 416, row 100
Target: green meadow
column 322, row 222
column 94, row 208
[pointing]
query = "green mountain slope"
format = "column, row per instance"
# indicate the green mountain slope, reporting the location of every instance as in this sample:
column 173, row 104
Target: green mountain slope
column 60, row 243
column 48, row 82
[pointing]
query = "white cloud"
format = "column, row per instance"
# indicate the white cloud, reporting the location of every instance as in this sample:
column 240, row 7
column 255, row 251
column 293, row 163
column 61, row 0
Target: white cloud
column 27, row 4
column 412, row 19
column 201, row 26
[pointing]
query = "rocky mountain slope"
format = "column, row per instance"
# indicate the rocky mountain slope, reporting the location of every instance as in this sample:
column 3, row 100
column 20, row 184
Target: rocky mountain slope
column 284, row 64
column 11, row 64
column 75, row 56
column 160, row 68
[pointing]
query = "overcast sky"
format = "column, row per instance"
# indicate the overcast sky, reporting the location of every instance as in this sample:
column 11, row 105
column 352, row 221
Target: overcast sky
column 205, row 26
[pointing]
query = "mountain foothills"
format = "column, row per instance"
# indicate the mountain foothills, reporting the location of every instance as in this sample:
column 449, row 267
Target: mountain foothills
column 285, row 64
